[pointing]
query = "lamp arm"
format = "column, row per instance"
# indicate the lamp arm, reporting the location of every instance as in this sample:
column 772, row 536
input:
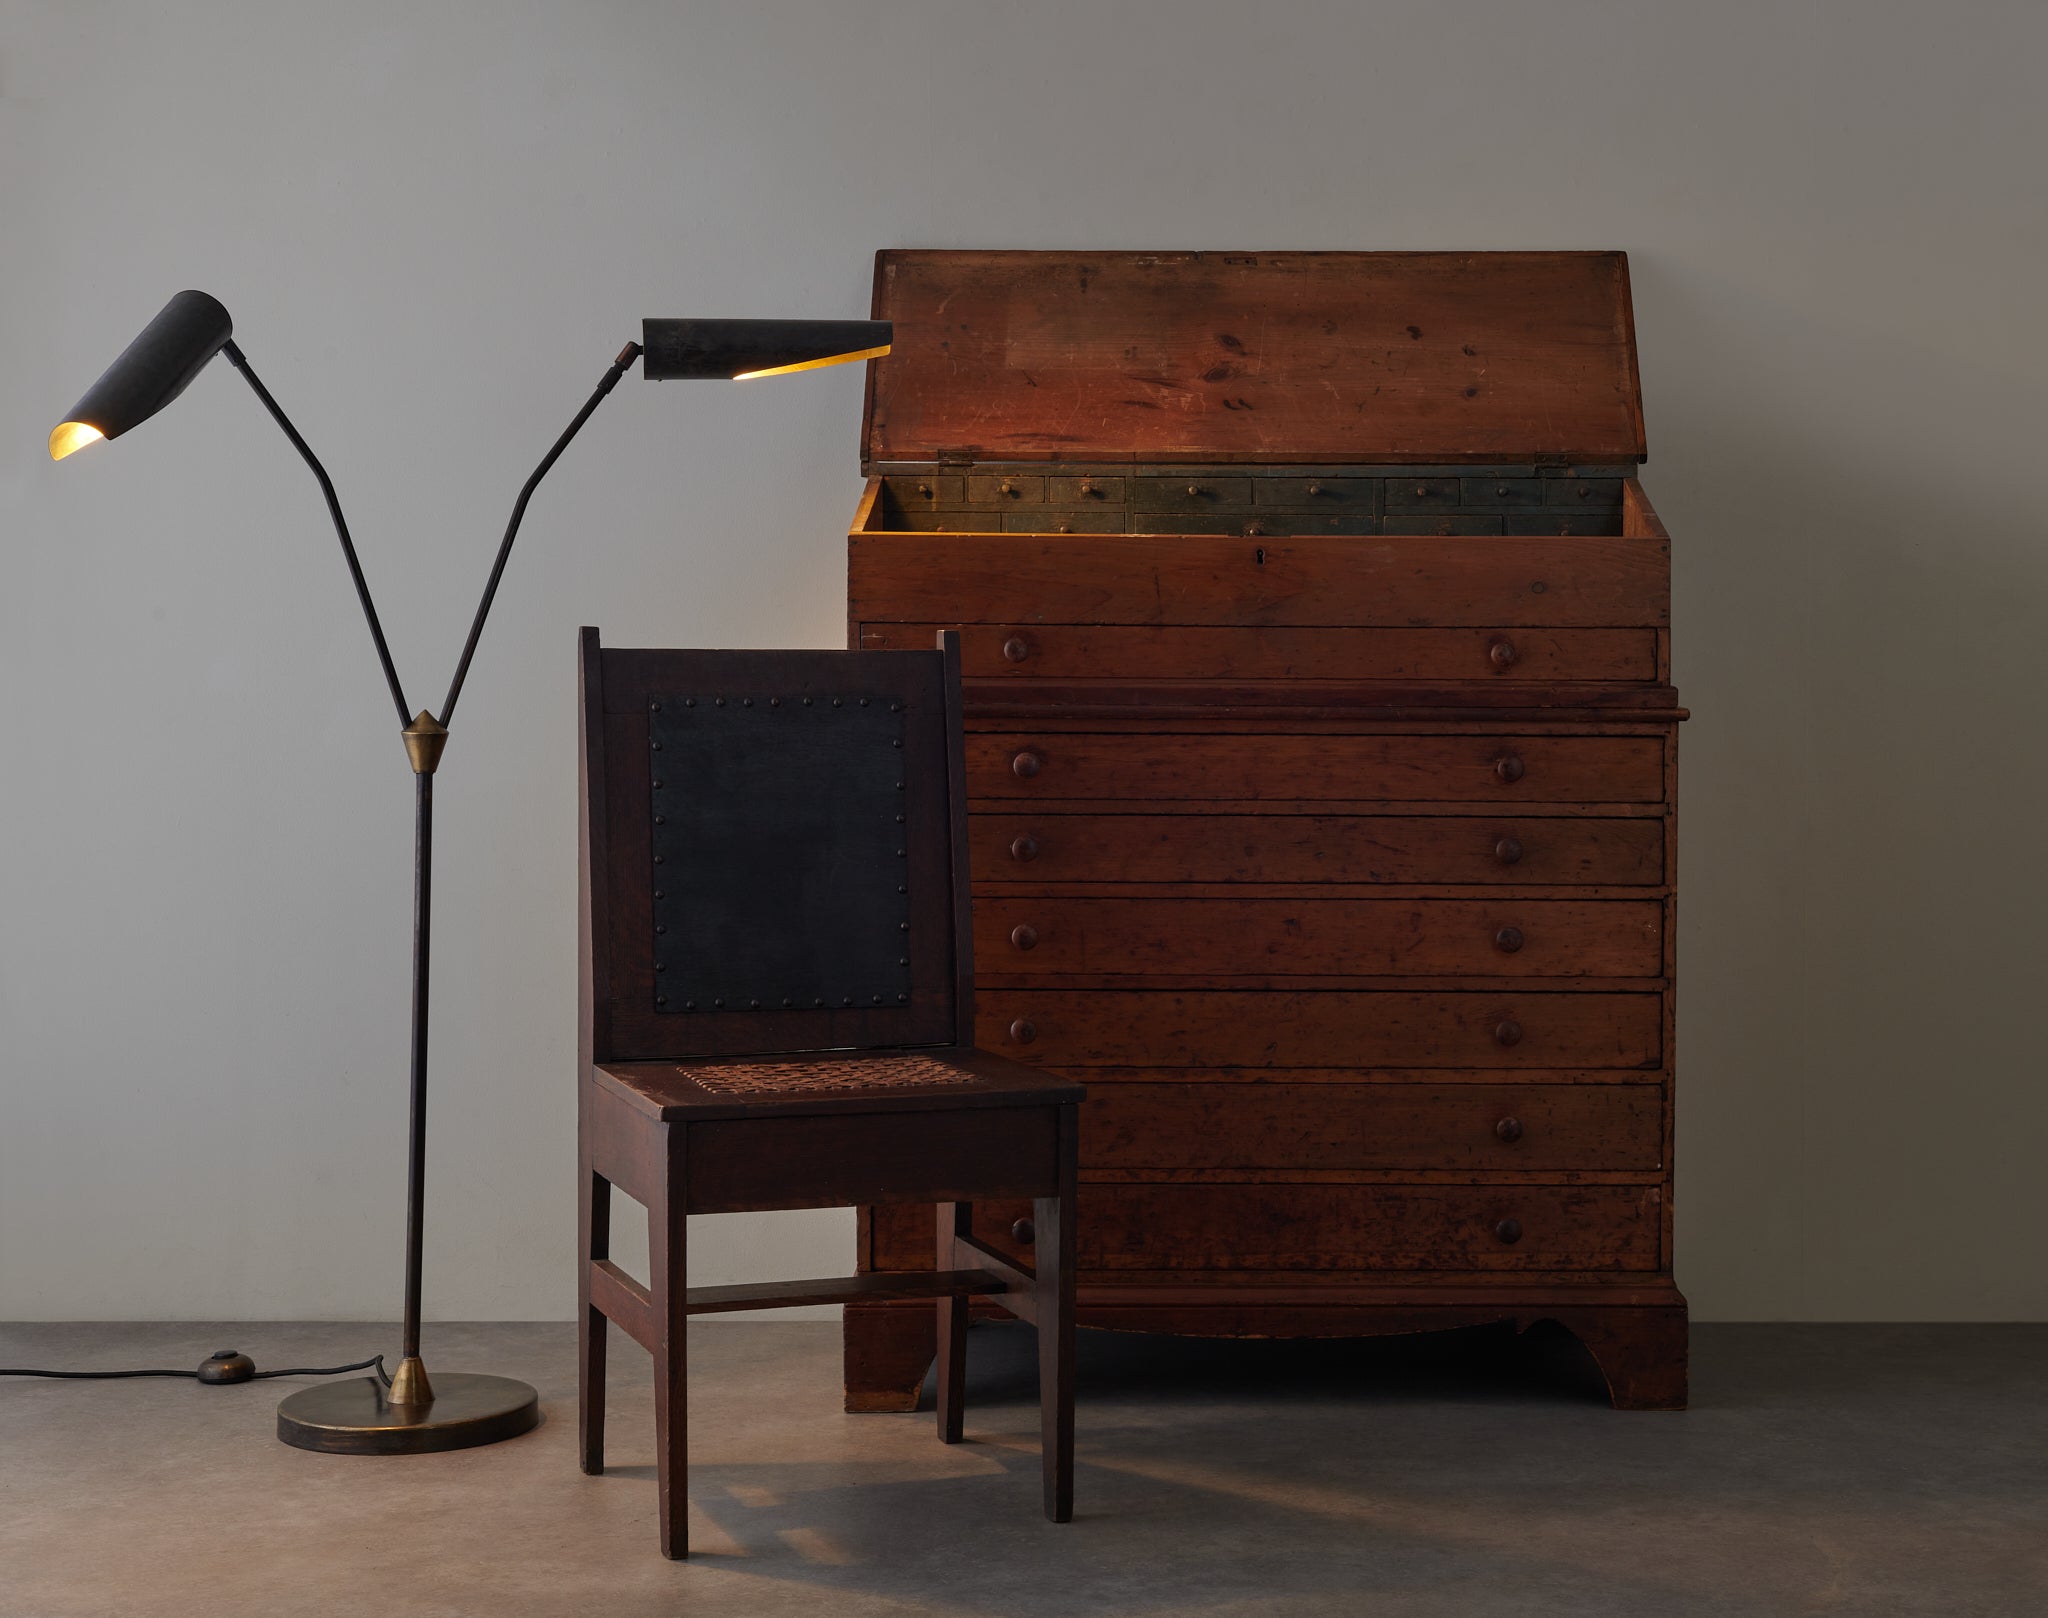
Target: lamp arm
column 627, row 356
column 348, row 549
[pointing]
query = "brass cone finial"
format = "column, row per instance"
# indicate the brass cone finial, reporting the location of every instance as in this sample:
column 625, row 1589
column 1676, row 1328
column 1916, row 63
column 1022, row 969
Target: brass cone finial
column 410, row 1386
column 425, row 738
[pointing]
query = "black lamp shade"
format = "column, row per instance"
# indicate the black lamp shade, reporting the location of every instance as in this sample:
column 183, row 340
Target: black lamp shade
column 737, row 349
column 151, row 372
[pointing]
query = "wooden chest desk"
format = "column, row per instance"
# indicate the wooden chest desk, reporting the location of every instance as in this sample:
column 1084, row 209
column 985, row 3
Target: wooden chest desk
column 1321, row 754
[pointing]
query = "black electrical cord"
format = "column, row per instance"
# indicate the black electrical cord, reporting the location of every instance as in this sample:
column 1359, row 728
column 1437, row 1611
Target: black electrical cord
column 375, row 1360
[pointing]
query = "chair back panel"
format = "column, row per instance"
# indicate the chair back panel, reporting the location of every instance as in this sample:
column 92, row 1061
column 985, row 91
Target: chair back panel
column 772, row 854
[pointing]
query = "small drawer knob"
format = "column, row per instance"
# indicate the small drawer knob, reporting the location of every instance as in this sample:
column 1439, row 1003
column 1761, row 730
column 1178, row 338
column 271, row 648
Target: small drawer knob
column 1024, row 848
column 1006, row 487
column 1507, row 852
column 1024, row 935
column 1422, row 491
column 1023, row 1233
column 1023, row 1032
column 1584, row 491
column 1254, row 530
column 1016, row 649
column 1508, row 940
column 1502, row 654
column 1063, row 528
column 1026, row 764
column 1087, row 487
column 925, row 489
column 1508, row 1231
column 1502, row 490
column 1509, row 767
column 1195, row 491
column 1314, row 488
column 1507, row 1032
column 1509, row 1129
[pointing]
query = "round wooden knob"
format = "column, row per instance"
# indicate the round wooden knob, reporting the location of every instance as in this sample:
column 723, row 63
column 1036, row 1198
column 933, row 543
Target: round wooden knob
column 1508, row 940
column 1584, row 491
column 925, row 489
column 1026, row 764
column 1087, row 487
column 1024, row 935
column 1254, row 530
column 1023, row 1032
column 1006, row 487
column 1509, row 1129
column 1507, row 852
column 1016, row 649
column 1509, row 767
column 1508, row 1032
column 1063, row 528
column 1023, row 1233
column 1194, row 491
column 1502, row 490
column 1421, row 491
column 1509, row 1231
column 1502, row 654
column 1314, row 488
column 1024, row 848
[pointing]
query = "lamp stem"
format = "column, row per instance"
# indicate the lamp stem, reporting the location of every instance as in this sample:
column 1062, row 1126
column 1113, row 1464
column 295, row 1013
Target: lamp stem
column 348, row 548
column 627, row 356
column 416, row 1144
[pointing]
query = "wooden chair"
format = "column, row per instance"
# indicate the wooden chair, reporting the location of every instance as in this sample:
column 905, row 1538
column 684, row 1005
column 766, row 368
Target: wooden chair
column 777, row 1009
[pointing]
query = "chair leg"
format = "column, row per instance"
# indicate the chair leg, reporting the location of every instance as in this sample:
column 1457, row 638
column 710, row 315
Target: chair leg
column 669, row 1280
column 1053, row 1248
column 955, row 1218
column 596, row 1211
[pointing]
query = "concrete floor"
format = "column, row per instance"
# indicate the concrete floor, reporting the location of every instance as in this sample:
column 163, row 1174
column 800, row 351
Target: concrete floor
column 1858, row 1470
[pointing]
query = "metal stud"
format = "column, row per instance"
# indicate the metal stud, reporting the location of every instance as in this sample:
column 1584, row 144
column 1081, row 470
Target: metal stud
column 657, row 747
column 661, row 820
column 661, row 1000
column 689, row 702
column 900, row 888
column 838, row 703
column 898, row 742
column 807, row 702
column 689, row 1005
column 775, row 702
column 901, row 998
column 659, row 967
column 659, row 894
column 659, row 928
column 877, row 999
column 661, row 859
column 895, row 707
column 657, row 786
column 718, row 1005
column 746, row 702
column 753, row 1005
column 654, row 707
column 903, row 926
column 902, row 853
column 718, row 702
column 863, row 702
column 899, row 820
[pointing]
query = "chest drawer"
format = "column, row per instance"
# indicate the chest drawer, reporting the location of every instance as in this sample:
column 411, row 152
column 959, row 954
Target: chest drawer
column 1283, row 1227
column 1475, row 1128
column 1503, row 656
column 1401, row 583
column 1340, row 1028
column 1023, row 846
column 1402, row 767
column 1336, row 937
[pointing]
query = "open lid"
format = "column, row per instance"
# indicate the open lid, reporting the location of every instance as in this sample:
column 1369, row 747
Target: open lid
column 1316, row 358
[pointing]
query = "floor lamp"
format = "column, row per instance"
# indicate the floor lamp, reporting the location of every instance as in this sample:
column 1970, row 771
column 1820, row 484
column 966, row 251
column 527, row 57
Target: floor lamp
column 453, row 1410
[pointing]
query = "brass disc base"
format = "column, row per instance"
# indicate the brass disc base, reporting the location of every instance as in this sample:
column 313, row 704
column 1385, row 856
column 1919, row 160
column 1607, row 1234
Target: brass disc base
column 354, row 1417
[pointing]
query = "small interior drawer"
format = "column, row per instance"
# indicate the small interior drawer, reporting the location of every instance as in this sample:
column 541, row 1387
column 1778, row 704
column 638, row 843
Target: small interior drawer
column 1191, row 492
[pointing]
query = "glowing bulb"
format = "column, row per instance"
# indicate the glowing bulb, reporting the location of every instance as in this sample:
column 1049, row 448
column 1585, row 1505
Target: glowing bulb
column 69, row 436
column 812, row 365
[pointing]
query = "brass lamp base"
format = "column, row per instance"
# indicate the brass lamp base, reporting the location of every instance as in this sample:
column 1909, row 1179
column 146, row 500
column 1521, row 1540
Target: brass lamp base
column 355, row 1417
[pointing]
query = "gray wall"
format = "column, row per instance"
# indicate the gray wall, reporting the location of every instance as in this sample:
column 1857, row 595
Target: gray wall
column 435, row 225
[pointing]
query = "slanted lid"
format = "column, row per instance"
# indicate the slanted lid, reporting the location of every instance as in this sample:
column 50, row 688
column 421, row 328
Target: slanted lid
column 1318, row 358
